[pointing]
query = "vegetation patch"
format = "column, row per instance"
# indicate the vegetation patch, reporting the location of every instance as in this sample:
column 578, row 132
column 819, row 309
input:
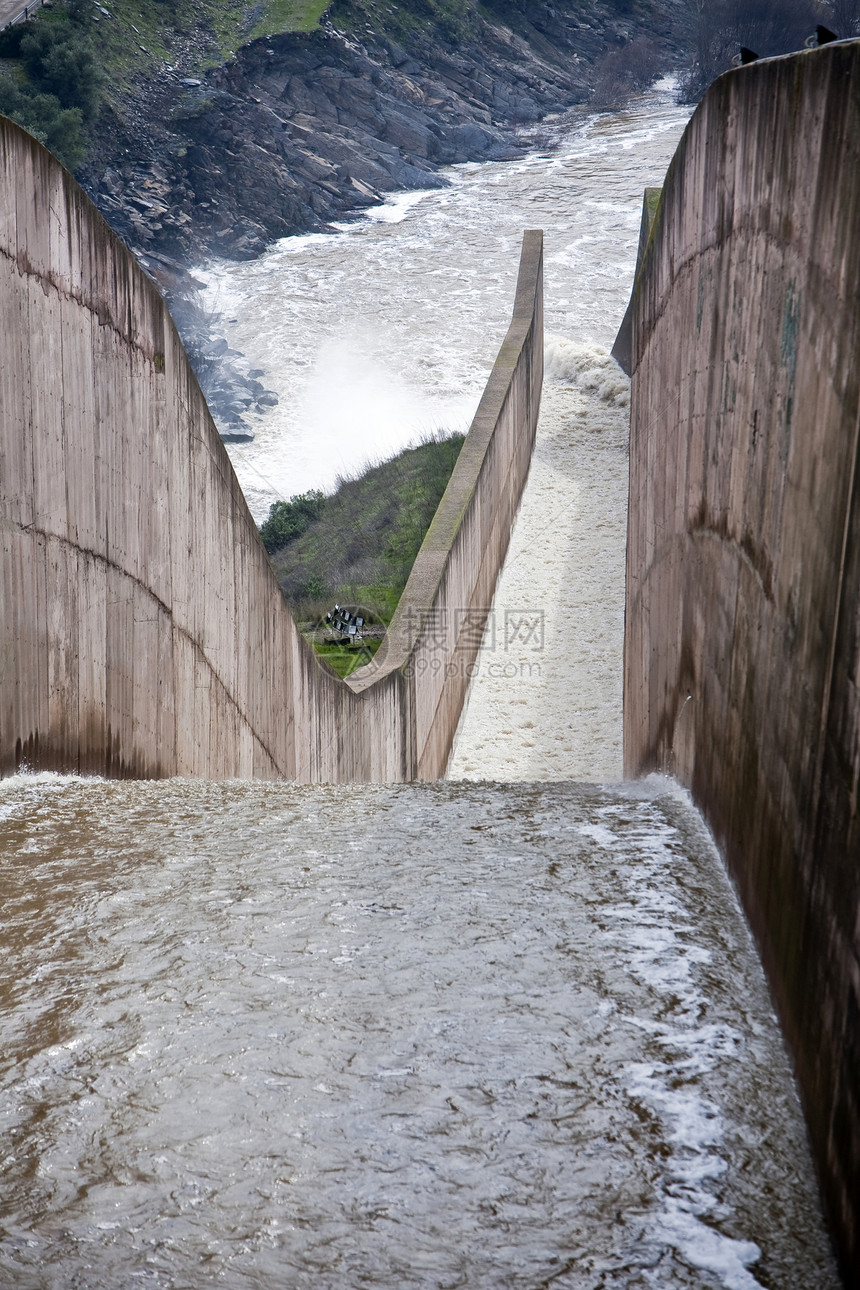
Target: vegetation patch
column 290, row 15
column 71, row 58
column 60, row 129
column 289, row 520
column 356, row 548
column 453, row 20
column 53, row 80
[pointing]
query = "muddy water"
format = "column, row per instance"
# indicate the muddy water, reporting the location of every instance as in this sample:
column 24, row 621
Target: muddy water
column 387, row 330
column 453, row 1035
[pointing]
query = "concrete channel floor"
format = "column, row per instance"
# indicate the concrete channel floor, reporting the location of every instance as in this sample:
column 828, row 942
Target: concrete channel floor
column 545, row 699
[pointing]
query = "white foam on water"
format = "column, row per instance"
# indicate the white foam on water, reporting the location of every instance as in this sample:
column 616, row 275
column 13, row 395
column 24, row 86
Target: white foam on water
column 19, row 791
column 589, row 367
column 427, row 279
column 653, row 927
column 355, row 409
column 396, row 208
column 545, row 698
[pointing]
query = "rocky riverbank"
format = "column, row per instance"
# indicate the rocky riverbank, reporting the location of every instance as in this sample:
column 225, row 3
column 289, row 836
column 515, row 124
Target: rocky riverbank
column 299, row 129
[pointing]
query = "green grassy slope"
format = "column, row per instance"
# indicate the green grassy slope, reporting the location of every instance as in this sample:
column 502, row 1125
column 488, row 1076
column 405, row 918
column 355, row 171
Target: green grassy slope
column 360, row 549
column 73, row 58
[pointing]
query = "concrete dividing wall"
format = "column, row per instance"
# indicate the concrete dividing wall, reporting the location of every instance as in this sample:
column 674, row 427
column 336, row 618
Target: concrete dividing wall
column 622, row 350
column 142, row 632
column 742, row 654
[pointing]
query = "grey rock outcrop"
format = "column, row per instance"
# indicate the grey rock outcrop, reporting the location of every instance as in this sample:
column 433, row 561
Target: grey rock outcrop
column 297, row 130
column 300, row 130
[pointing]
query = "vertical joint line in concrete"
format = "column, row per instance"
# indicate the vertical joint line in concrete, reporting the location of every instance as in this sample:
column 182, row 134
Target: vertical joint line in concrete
column 831, row 661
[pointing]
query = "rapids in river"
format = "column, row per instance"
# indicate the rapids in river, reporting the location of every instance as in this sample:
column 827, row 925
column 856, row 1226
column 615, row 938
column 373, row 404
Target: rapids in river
column 468, row 1034
column 385, row 331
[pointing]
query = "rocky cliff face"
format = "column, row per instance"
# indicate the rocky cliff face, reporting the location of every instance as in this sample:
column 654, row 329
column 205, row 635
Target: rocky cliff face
column 298, row 129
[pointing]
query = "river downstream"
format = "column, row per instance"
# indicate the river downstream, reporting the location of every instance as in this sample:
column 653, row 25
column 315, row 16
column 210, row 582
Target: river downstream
column 387, row 330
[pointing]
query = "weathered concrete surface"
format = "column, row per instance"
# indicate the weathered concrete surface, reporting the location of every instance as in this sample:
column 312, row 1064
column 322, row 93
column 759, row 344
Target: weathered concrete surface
column 142, row 631
column 742, row 655
column 467, row 541
column 622, row 350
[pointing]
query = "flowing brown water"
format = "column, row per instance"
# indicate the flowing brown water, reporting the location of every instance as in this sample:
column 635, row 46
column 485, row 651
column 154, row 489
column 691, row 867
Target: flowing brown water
column 452, row 1035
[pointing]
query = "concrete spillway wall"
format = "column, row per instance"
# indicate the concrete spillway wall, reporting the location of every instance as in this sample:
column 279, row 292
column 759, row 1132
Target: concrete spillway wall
column 142, row 631
column 742, row 653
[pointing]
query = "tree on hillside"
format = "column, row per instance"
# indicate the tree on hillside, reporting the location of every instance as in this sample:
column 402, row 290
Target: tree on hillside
column 57, row 85
column 289, row 520
column 42, row 115
column 627, row 68
column 61, row 60
column 716, row 30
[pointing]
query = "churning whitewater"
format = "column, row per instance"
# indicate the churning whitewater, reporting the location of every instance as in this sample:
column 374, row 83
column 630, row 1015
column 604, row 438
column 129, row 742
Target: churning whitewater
column 545, row 699
column 387, row 329
column 489, row 1036
column 499, row 1036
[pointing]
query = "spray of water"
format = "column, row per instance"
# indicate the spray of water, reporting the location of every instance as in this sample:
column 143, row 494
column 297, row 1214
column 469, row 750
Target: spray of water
column 587, row 366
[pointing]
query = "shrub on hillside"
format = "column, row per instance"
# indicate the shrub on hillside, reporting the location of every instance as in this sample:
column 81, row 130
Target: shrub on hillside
column 626, row 69
column 60, row 59
column 57, row 85
column 60, row 129
column 288, row 520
